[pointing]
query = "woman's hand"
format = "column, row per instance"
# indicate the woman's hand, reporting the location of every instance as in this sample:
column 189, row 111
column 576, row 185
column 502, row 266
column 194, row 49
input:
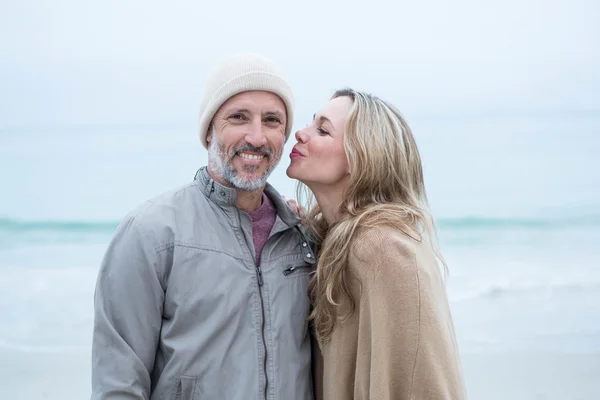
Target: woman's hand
column 293, row 204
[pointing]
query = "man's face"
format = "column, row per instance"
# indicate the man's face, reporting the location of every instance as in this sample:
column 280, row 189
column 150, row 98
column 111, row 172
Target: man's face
column 246, row 139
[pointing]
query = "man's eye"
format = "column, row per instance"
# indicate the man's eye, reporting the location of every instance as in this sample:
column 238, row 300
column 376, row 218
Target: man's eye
column 273, row 119
column 237, row 116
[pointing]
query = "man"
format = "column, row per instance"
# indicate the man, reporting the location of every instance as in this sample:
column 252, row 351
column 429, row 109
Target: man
column 202, row 293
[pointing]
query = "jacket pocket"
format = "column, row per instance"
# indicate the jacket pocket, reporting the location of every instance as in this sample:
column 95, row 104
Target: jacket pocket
column 186, row 388
column 297, row 269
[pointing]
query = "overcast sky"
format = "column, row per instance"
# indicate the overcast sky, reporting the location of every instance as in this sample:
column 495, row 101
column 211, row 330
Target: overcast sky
column 144, row 62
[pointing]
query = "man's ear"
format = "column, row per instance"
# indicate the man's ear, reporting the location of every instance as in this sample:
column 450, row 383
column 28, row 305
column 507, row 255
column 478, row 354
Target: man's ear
column 209, row 133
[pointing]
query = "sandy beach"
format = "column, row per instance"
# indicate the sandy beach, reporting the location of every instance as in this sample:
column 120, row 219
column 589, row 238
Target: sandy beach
column 490, row 376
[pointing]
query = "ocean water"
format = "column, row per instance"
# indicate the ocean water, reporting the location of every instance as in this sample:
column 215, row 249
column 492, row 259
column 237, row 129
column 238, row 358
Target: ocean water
column 517, row 200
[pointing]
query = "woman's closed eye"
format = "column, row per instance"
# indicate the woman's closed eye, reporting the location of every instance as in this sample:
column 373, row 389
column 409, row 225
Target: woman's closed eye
column 322, row 131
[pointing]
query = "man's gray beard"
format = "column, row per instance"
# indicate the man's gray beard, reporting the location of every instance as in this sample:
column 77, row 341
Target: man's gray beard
column 220, row 164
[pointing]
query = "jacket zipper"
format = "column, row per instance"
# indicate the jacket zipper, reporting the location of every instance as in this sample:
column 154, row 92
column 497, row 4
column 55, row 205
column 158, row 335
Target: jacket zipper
column 259, row 277
column 293, row 269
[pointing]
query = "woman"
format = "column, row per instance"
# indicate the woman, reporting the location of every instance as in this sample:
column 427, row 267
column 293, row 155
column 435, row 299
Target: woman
column 381, row 313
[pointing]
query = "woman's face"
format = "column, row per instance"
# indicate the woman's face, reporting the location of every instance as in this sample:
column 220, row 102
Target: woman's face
column 318, row 159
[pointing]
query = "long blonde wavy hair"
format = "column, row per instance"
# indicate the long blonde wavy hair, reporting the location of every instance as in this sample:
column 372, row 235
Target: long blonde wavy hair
column 385, row 187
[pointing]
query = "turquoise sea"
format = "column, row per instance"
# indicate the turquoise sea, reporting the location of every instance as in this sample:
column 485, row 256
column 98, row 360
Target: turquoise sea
column 516, row 197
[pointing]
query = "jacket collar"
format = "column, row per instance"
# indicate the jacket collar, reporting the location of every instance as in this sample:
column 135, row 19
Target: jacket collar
column 226, row 196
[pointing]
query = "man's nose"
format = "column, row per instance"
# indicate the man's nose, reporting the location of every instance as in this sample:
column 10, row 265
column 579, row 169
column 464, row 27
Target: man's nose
column 256, row 135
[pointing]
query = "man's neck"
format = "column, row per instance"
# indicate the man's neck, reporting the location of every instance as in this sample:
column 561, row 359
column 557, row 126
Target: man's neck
column 247, row 201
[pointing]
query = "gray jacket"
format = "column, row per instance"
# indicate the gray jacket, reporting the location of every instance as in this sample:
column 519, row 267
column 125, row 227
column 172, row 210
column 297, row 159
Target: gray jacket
column 182, row 312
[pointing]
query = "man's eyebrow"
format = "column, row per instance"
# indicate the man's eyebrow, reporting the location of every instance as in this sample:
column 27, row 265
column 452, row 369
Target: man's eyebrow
column 238, row 110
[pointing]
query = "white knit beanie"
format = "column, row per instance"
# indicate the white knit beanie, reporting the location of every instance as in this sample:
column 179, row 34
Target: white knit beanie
column 241, row 73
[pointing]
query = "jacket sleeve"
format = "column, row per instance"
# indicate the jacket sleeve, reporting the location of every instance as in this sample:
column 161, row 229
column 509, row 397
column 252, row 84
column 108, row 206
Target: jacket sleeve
column 128, row 304
column 405, row 330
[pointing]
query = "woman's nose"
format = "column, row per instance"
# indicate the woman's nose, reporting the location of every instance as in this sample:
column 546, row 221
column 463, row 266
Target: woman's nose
column 301, row 135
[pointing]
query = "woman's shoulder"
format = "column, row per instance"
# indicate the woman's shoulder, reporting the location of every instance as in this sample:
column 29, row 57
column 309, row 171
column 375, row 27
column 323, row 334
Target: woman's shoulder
column 386, row 256
column 382, row 248
column 376, row 239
